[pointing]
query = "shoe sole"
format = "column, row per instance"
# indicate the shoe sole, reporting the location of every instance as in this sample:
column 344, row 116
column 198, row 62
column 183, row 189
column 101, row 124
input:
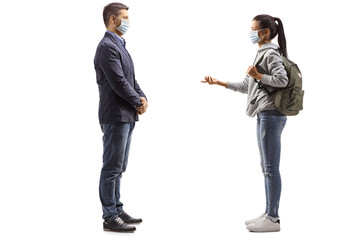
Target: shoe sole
column 123, row 231
column 264, row 230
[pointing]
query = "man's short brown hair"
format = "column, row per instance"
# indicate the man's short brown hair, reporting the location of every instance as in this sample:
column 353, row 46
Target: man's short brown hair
column 112, row 9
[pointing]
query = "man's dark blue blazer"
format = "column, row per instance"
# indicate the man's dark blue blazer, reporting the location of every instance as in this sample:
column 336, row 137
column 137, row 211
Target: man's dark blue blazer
column 119, row 92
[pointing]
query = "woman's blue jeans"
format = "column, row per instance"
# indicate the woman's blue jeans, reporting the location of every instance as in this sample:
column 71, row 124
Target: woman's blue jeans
column 116, row 141
column 270, row 125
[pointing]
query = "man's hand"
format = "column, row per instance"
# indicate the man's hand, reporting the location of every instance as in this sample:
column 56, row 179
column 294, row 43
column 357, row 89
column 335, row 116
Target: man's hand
column 253, row 72
column 142, row 109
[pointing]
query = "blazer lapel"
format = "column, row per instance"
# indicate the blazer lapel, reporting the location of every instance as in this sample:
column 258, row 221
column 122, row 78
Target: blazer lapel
column 120, row 46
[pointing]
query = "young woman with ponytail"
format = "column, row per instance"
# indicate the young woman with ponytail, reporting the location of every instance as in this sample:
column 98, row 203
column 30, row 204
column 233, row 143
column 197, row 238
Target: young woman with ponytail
column 270, row 123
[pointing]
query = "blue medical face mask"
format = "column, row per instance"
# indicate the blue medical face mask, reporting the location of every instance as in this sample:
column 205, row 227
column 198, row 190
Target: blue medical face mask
column 124, row 26
column 254, row 36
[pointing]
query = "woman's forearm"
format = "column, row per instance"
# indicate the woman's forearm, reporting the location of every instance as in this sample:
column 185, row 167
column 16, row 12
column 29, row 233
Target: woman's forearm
column 224, row 84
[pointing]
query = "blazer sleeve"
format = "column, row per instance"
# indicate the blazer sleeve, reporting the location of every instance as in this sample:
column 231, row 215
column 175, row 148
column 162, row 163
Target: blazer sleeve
column 110, row 63
column 139, row 91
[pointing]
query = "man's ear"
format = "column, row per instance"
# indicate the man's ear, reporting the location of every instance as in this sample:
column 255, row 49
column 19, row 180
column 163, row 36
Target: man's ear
column 112, row 19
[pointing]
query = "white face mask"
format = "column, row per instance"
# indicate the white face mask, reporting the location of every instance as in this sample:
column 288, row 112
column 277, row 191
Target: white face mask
column 124, row 26
column 254, row 36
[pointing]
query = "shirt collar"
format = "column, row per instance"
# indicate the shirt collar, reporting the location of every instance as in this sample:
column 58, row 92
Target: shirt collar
column 118, row 38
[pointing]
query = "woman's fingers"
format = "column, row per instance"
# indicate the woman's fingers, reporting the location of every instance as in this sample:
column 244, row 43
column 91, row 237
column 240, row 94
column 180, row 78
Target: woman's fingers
column 209, row 80
column 206, row 79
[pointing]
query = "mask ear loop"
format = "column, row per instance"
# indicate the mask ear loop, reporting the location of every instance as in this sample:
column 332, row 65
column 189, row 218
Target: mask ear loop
column 262, row 30
column 117, row 18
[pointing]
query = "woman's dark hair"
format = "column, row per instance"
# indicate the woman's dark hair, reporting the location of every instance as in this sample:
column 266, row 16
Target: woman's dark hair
column 112, row 9
column 266, row 21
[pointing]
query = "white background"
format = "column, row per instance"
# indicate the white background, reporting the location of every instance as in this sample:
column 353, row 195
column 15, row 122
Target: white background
column 194, row 170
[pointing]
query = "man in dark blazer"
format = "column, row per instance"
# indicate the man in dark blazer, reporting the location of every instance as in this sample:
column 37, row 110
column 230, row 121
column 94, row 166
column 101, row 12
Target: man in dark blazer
column 121, row 100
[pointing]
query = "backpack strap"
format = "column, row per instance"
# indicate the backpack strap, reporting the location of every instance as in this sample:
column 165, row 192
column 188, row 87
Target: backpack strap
column 258, row 60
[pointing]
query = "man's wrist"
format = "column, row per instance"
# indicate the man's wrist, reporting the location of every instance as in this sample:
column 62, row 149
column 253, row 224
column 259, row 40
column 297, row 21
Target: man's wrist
column 140, row 103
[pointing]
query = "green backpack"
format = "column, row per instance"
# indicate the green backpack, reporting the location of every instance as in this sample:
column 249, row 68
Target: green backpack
column 287, row 100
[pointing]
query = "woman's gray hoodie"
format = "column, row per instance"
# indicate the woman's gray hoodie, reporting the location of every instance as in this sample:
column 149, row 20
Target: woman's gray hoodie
column 275, row 76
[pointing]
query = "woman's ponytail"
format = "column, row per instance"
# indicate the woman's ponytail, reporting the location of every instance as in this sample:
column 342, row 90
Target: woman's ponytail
column 281, row 37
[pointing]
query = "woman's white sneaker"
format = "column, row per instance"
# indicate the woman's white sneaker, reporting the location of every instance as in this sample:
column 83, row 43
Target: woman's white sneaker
column 265, row 224
column 254, row 220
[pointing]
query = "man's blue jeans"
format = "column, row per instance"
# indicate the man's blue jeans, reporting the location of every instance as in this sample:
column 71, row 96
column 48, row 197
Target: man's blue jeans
column 269, row 128
column 116, row 141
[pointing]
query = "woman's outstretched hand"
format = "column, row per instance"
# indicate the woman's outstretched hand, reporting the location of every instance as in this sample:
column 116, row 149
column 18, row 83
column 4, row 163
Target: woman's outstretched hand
column 210, row 80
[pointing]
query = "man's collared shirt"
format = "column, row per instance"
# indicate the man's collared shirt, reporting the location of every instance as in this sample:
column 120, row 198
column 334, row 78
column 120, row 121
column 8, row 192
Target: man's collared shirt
column 118, row 38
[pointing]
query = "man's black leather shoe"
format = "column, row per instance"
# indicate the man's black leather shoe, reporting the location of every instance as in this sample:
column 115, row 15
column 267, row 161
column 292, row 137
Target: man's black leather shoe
column 128, row 219
column 117, row 225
